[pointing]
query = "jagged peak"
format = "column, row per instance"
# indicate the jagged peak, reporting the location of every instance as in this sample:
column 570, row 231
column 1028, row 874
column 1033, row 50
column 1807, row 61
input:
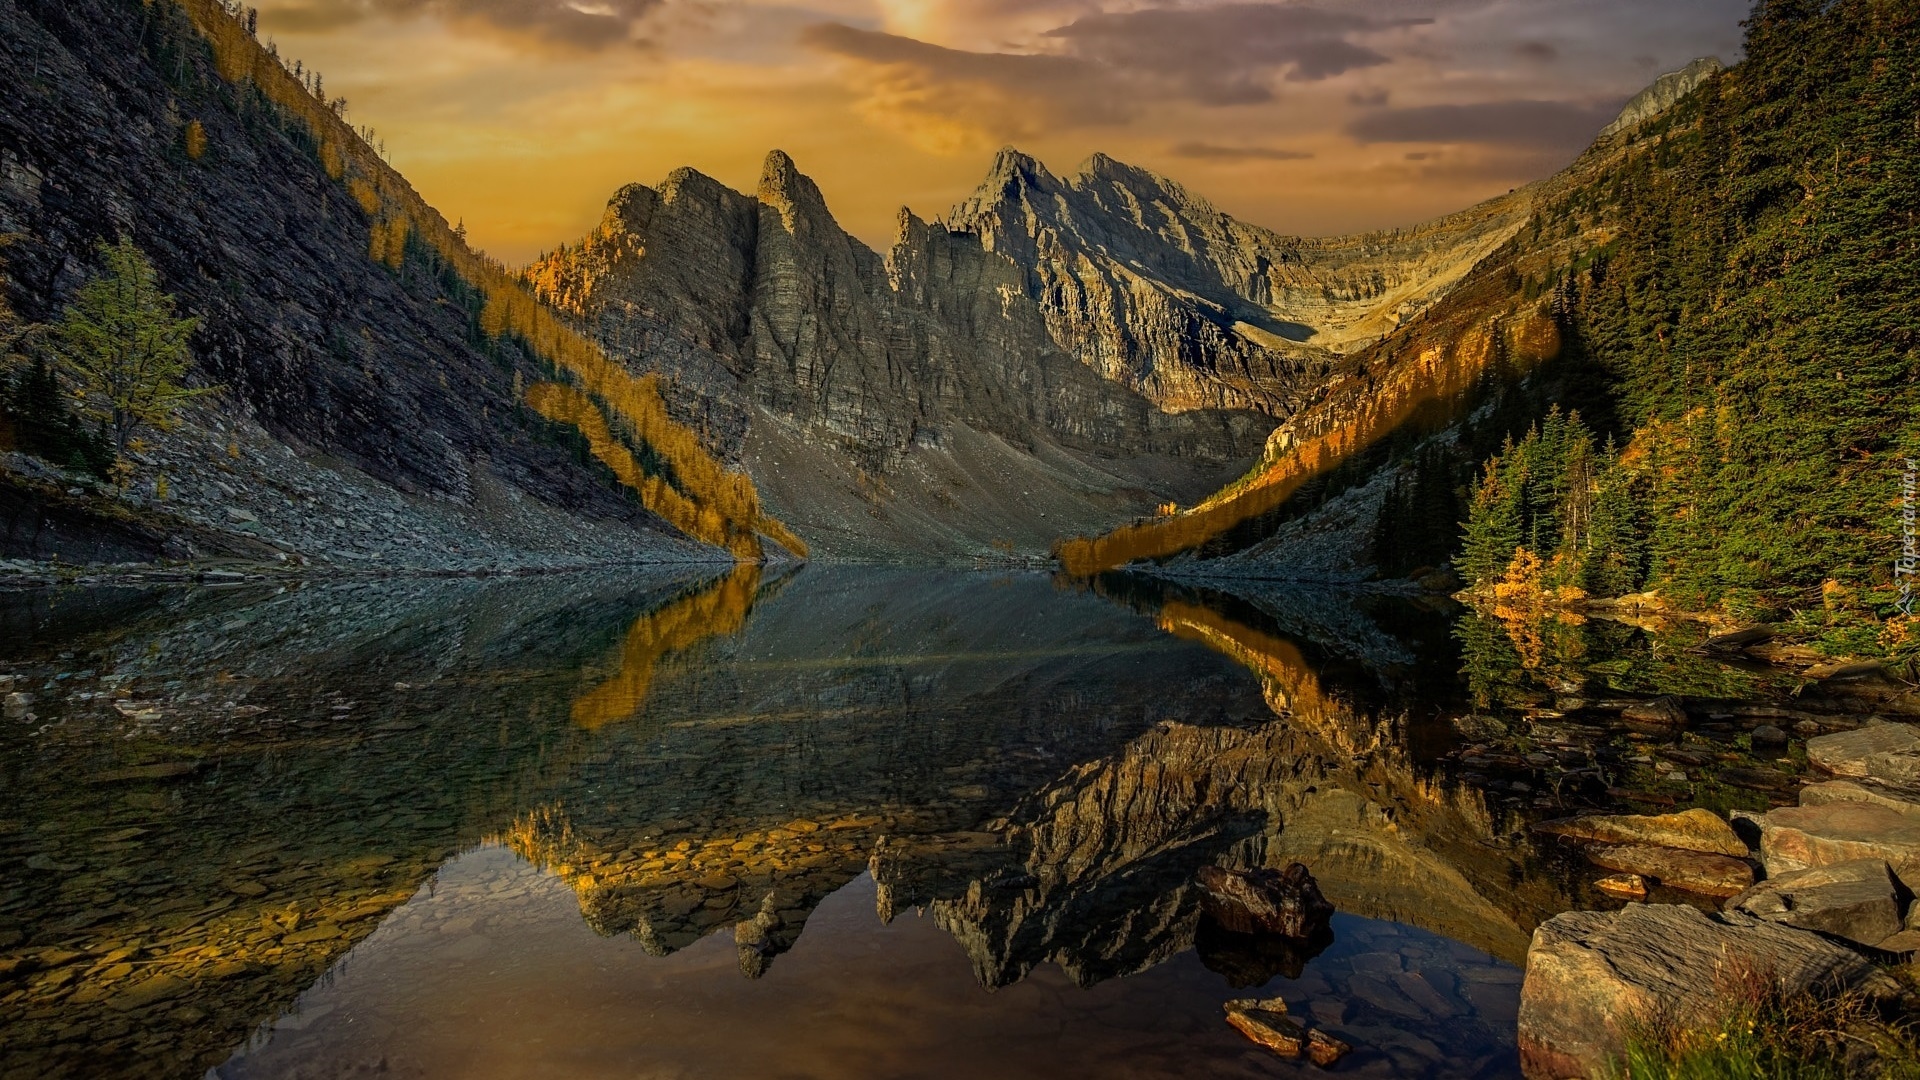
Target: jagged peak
column 785, row 187
column 1664, row 93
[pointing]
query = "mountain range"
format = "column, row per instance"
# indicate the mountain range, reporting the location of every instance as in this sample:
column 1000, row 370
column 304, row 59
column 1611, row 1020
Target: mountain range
column 1058, row 356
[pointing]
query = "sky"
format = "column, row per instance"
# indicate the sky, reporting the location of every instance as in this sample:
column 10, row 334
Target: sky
column 522, row 117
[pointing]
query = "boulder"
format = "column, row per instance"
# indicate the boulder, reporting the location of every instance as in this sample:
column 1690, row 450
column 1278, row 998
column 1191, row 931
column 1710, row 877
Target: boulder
column 1690, row 830
column 1855, row 900
column 1592, row 975
column 1889, row 753
column 1825, row 834
column 1266, row 901
column 1693, row 871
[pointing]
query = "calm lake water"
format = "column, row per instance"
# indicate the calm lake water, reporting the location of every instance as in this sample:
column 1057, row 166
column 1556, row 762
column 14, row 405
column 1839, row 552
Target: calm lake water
column 839, row 823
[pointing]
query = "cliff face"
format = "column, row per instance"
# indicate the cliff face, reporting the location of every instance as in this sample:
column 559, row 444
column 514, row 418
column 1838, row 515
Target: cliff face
column 907, row 402
column 1154, row 288
column 363, row 417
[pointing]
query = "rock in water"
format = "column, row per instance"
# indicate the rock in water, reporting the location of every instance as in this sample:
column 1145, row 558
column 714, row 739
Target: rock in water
column 1661, row 716
column 1266, row 901
column 1270, row 1029
column 1628, row 886
column 1591, row 975
column 1855, row 900
column 1689, row 830
column 1693, row 871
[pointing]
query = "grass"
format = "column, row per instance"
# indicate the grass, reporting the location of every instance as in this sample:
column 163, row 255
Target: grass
column 1766, row 1034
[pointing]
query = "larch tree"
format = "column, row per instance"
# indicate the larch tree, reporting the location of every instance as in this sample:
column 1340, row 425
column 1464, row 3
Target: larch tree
column 121, row 342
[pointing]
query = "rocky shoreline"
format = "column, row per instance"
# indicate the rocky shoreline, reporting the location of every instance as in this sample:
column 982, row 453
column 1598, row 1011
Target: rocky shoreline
column 1830, row 914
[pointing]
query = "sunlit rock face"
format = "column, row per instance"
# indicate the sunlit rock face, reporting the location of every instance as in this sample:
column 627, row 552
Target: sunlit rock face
column 1151, row 286
column 907, row 400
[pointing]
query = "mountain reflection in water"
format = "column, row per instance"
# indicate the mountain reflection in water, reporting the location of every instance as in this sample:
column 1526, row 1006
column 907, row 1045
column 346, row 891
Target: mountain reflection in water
column 315, row 831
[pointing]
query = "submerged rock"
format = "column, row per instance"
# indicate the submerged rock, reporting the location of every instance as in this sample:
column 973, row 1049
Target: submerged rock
column 1661, row 716
column 1266, row 901
column 1592, row 975
column 1690, row 830
column 1855, row 900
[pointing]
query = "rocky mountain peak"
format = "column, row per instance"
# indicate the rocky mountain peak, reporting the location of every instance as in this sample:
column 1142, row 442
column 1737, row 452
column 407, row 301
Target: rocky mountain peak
column 1665, row 92
column 783, row 187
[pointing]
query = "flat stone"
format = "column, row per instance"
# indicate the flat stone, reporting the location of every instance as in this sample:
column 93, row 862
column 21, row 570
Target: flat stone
column 1854, row 754
column 1846, row 791
column 1324, row 1050
column 1802, row 837
column 1693, row 871
column 1628, row 886
column 1855, row 900
column 1592, row 974
column 1270, row 1029
column 1689, row 830
column 1905, row 941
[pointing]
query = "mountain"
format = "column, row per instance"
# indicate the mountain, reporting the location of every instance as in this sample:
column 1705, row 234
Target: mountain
column 1154, row 288
column 910, row 403
column 372, row 369
column 1336, row 493
column 1691, row 374
column 1057, row 354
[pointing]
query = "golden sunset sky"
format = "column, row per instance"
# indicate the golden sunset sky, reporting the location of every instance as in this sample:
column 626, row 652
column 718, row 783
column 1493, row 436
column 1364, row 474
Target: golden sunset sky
column 523, row 116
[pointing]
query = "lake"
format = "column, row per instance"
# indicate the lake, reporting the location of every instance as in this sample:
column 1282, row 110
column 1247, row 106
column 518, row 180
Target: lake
column 835, row 822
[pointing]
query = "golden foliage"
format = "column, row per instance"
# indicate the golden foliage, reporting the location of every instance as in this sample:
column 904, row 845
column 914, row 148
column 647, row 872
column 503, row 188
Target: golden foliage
column 714, row 612
column 196, row 140
column 712, row 503
column 1378, row 403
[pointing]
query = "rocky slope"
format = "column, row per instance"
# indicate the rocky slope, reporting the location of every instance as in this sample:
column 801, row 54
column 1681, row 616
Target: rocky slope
column 364, row 417
column 1480, row 363
column 1150, row 285
column 907, row 402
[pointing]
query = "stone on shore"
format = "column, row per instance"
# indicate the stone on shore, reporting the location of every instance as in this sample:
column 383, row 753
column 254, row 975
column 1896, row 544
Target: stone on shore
column 1690, row 830
column 1591, row 975
column 1881, row 751
column 1826, row 834
column 1692, row 871
column 1855, row 900
column 1846, row 791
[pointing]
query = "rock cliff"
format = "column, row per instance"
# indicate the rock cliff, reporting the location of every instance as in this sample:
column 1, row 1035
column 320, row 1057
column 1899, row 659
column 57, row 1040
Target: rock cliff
column 365, row 416
column 906, row 402
column 1150, row 285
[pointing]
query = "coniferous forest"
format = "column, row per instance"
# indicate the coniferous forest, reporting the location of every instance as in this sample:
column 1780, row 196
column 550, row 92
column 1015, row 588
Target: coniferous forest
column 1754, row 324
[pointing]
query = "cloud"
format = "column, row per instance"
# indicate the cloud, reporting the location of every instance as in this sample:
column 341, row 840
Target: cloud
column 1230, row 54
column 1100, row 69
column 1203, row 151
column 952, row 100
column 586, row 25
column 1538, row 125
column 1538, row 51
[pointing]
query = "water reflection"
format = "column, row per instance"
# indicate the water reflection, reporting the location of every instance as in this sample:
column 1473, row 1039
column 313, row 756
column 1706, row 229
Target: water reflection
column 232, row 804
